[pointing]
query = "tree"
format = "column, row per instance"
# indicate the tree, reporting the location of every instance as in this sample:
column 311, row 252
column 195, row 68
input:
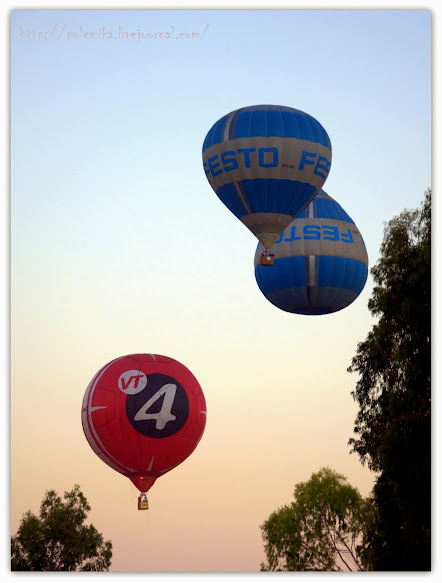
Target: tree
column 393, row 425
column 321, row 530
column 58, row 540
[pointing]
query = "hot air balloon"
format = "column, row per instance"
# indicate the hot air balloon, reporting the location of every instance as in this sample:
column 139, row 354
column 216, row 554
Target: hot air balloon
column 266, row 163
column 143, row 414
column 320, row 263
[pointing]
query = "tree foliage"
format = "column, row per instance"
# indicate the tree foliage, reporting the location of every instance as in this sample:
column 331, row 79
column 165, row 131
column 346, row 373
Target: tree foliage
column 58, row 539
column 393, row 425
column 321, row 530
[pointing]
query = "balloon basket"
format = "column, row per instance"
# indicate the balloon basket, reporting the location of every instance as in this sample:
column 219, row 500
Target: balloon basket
column 143, row 504
column 267, row 260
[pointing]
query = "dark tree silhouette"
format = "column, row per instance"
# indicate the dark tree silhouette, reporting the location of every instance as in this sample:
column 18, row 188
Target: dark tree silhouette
column 58, row 539
column 393, row 425
column 321, row 530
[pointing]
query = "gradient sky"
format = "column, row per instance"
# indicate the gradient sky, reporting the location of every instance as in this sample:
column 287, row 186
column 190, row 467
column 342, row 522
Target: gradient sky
column 119, row 245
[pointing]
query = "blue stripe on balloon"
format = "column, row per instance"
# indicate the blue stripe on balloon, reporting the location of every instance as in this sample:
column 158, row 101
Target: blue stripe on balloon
column 267, row 195
column 275, row 124
column 334, row 272
column 277, row 196
column 328, row 300
column 258, row 122
column 327, row 208
column 228, row 195
column 214, row 136
column 290, row 125
column 342, row 272
column 294, row 125
column 302, row 214
column 305, row 128
column 361, row 275
column 296, row 300
column 242, row 125
column 290, row 272
column 326, row 265
column 338, row 271
column 277, row 121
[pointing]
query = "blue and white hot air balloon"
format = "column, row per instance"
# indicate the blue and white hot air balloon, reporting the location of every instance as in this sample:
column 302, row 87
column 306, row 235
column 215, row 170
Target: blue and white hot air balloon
column 266, row 163
column 320, row 262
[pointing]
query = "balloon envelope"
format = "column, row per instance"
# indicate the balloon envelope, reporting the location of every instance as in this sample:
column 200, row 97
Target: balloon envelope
column 143, row 414
column 320, row 264
column 266, row 163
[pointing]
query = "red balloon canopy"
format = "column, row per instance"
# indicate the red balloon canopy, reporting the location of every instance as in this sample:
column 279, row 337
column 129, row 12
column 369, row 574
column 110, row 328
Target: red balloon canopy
column 143, row 415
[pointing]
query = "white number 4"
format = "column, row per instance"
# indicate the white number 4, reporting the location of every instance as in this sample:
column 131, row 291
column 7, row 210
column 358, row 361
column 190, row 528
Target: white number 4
column 164, row 415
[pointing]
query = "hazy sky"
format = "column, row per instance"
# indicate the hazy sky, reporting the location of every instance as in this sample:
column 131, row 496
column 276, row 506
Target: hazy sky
column 119, row 245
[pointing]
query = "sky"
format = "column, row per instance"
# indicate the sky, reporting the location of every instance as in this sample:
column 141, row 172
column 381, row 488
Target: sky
column 118, row 245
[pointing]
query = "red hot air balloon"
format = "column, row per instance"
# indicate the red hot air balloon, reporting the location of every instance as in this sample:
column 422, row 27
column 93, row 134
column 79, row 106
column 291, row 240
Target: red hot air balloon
column 143, row 415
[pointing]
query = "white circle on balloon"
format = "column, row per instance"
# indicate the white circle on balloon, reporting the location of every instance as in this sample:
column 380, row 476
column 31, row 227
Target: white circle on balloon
column 132, row 382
